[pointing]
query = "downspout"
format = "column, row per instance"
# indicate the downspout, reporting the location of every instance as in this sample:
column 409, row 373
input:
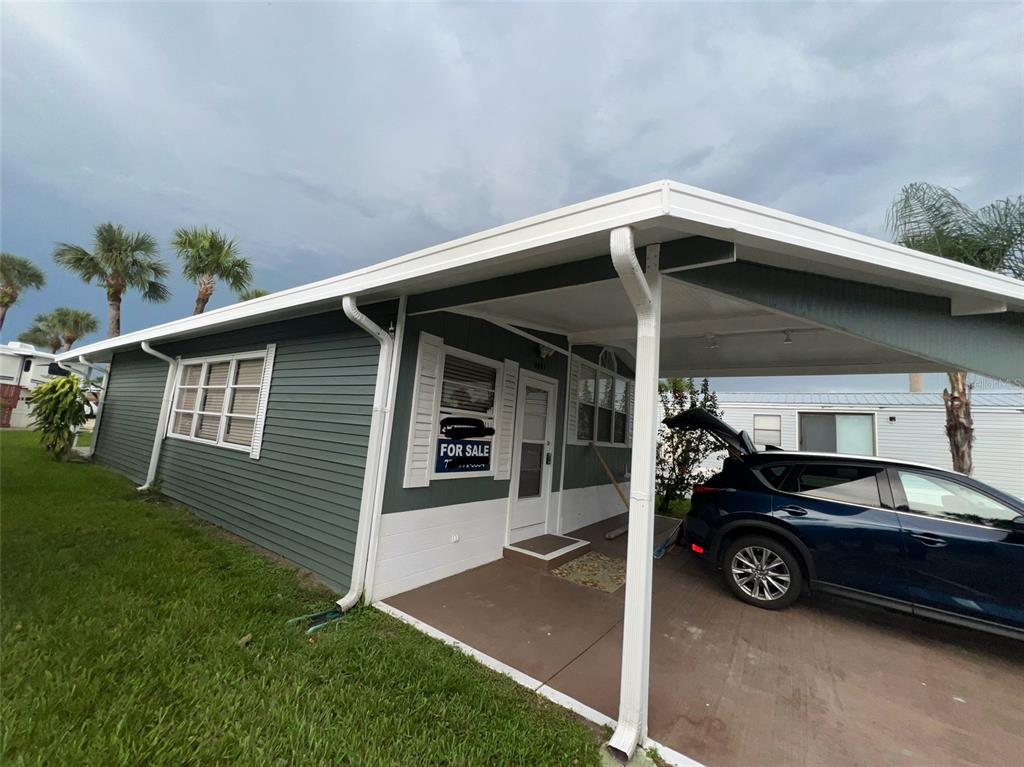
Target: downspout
column 165, row 406
column 99, row 404
column 373, row 450
column 385, row 451
column 644, row 293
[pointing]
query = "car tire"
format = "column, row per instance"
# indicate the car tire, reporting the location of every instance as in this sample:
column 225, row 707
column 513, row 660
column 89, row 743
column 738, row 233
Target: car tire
column 763, row 572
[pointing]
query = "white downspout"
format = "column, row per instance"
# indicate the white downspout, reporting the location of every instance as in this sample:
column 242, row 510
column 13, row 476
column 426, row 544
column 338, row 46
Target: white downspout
column 99, row 404
column 165, row 406
column 645, row 295
column 385, row 451
column 373, row 450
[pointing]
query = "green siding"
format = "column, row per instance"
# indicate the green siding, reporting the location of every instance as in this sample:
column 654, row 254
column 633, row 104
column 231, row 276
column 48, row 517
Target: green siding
column 582, row 469
column 130, row 413
column 488, row 340
column 301, row 498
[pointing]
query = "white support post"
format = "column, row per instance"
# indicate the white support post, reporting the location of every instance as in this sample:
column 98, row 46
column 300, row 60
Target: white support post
column 645, row 294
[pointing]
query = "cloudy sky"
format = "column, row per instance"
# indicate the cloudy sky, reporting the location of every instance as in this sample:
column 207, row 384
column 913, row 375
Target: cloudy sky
column 326, row 137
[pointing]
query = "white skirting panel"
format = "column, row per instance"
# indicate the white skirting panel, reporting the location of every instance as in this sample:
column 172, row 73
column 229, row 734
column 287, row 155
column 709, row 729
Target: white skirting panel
column 425, row 545
column 584, row 506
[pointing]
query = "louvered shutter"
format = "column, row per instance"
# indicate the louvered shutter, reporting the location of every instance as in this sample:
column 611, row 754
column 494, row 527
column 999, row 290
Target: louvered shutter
column 505, row 423
column 261, row 405
column 425, row 403
column 574, row 388
column 630, row 386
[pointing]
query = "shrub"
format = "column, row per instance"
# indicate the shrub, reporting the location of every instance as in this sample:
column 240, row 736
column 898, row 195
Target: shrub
column 58, row 409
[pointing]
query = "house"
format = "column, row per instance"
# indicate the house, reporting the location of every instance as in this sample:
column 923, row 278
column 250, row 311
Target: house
column 410, row 420
column 906, row 426
column 22, row 369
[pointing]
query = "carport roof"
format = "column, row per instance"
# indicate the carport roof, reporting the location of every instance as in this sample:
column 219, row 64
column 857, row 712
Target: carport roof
column 658, row 212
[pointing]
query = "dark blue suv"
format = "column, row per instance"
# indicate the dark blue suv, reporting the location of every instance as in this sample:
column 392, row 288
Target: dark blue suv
column 906, row 536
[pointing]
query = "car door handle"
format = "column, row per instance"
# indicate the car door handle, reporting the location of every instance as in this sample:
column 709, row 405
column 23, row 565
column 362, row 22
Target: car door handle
column 929, row 540
column 796, row 511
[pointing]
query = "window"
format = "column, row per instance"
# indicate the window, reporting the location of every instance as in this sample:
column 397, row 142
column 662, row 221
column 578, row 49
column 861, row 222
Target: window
column 945, row 499
column 602, row 405
column 464, row 425
column 218, row 400
column 837, row 482
column 774, row 475
column 847, row 433
column 768, row 430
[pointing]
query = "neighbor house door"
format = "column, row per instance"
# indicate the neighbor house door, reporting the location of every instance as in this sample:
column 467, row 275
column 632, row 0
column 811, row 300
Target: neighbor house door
column 530, row 489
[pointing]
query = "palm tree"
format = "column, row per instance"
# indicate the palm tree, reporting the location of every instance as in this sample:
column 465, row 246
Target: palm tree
column 74, row 324
column 208, row 256
column 931, row 219
column 251, row 293
column 45, row 331
column 17, row 274
column 120, row 260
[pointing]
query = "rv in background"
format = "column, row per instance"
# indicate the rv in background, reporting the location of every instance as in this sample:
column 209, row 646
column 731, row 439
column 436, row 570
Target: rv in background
column 22, row 369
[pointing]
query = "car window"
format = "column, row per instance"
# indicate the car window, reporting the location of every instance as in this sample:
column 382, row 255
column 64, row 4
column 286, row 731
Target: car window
column 838, row 482
column 946, row 499
column 774, row 475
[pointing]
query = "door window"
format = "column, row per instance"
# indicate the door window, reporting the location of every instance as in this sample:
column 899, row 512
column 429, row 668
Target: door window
column 838, row 482
column 945, row 499
column 534, row 443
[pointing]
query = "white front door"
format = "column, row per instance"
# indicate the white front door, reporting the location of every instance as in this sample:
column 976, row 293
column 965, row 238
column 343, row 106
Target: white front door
column 530, row 488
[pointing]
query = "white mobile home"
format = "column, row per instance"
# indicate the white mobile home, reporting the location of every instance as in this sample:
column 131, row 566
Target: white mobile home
column 22, row 369
column 903, row 426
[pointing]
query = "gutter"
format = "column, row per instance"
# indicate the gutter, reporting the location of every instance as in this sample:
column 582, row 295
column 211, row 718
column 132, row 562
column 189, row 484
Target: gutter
column 644, row 292
column 369, row 509
column 165, row 406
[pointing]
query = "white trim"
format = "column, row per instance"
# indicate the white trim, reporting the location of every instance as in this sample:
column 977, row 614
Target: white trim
column 668, row 755
column 577, row 543
column 261, row 405
column 503, row 444
column 421, row 411
column 263, row 388
column 671, row 205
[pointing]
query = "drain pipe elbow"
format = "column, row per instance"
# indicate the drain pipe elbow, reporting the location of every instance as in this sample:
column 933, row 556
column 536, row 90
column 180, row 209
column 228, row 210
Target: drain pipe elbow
column 630, row 274
column 368, row 510
column 165, row 406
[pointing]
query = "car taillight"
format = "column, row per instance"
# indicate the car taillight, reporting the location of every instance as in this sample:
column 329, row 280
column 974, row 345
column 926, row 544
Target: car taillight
column 696, row 549
column 698, row 489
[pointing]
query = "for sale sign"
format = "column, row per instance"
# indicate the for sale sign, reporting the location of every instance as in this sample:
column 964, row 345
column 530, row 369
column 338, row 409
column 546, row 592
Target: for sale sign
column 462, row 455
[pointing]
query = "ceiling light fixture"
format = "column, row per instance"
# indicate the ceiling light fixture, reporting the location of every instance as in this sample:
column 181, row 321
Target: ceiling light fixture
column 712, row 342
column 788, row 337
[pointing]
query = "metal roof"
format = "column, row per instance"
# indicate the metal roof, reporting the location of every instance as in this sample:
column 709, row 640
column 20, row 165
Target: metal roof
column 659, row 212
column 868, row 399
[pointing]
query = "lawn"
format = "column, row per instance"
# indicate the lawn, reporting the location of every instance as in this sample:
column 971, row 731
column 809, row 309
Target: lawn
column 120, row 637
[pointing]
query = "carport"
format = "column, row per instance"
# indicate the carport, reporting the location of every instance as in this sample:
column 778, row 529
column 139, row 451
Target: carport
column 689, row 283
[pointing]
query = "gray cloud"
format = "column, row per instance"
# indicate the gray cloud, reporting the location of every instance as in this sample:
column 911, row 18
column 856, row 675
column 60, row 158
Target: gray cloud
column 328, row 136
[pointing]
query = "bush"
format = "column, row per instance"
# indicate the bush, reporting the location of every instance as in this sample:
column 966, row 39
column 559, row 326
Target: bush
column 58, row 410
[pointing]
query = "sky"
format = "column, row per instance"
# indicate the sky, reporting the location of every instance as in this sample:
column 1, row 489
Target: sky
column 325, row 137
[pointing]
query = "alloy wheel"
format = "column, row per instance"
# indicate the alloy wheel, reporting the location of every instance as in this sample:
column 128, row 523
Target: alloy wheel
column 760, row 573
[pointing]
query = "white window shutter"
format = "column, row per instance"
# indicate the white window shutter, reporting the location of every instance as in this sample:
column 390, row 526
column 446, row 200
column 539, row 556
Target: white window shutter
column 574, row 388
column 506, row 420
column 261, row 405
column 425, row 399
column 630, row 386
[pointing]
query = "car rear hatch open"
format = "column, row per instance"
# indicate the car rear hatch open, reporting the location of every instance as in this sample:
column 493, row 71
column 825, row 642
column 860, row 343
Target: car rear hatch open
column 738, row 442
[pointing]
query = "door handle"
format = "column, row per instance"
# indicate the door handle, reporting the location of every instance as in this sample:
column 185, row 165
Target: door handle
column 929, row 540
column 796, row 511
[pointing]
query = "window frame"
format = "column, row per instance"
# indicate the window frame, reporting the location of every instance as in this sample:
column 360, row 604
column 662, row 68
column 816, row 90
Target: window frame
column 873, row 414
column 754, row 429
column 438, row 415
column 262, row 391
column 882, row 480
column 616, row 377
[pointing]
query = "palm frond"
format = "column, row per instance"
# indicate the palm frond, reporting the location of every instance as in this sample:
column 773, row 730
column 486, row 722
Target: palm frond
column 251, row 293
column 20, row 273
column 155, row 291
column 77, row 259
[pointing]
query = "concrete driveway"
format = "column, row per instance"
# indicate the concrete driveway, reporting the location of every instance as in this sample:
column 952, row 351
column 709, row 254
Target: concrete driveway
column 827, row 682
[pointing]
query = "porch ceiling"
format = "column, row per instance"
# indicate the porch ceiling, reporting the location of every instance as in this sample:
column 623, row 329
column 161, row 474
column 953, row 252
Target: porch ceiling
column 703, row 333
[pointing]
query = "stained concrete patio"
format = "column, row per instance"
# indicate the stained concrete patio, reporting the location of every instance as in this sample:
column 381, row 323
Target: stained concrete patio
column 827, row 682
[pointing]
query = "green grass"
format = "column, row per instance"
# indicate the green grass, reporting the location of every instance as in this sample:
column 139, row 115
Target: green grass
column 679, row 508
column 120, row 628
column 84, row 439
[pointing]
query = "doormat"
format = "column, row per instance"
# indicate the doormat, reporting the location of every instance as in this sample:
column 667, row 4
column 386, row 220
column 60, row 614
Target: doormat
column 594, row 570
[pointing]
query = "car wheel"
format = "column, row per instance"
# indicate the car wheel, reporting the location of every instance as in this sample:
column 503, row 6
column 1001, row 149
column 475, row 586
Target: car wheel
column 762, row 572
